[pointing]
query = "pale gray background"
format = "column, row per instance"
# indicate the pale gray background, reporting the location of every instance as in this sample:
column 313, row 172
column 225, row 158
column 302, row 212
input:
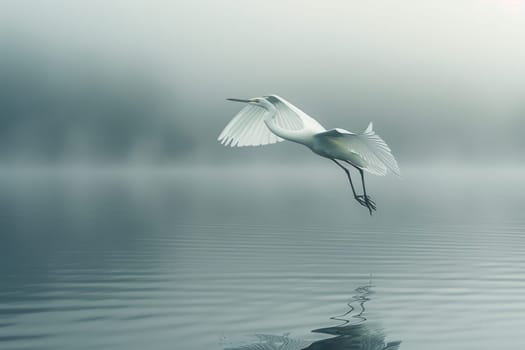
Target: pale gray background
column 124, row 224
column 146, row 80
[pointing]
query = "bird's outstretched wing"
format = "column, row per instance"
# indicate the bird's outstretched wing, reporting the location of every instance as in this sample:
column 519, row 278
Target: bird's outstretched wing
column 376, row 146
column 370, row 149
column 247, row 128
column 288, row 111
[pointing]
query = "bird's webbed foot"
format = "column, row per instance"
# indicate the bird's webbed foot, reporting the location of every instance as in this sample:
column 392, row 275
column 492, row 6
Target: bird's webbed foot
column 366, row 201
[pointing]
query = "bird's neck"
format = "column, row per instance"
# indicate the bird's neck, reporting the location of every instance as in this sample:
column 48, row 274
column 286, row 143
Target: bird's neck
column 302, row 136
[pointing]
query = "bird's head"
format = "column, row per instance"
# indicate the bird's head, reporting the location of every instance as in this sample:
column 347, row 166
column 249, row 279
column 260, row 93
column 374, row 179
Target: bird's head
column 256, row 101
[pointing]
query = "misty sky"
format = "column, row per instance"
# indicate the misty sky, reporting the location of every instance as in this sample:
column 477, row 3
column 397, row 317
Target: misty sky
column 443, row 80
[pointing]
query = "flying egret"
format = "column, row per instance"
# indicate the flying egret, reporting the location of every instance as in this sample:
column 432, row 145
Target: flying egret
column 270, row 119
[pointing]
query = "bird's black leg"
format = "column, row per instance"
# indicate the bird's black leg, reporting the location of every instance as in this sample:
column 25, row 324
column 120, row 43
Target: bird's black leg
column 369, row 203
column 347, row 174
column 361, row 199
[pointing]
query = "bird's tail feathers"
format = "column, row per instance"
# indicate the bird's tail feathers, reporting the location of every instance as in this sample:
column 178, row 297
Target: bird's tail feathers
column 369, row 128
column 381, row 149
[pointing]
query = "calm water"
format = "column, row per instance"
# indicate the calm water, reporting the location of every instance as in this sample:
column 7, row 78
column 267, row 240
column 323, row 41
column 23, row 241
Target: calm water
column 249, row 258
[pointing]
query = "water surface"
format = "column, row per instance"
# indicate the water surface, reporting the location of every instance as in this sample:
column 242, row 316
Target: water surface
column 250, row 258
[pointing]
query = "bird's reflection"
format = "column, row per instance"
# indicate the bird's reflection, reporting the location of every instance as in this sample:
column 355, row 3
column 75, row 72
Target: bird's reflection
column 354, row 333
column 353, row 337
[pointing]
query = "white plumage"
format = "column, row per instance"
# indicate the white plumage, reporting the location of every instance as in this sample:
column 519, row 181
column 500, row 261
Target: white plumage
column 270, row 119
column 247, row 128
column 367, row 150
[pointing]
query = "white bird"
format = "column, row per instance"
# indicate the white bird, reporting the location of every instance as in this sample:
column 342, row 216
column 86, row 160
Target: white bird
column 270, row 119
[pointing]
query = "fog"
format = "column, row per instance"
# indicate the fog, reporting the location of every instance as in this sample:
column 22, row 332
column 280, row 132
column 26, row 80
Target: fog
column 125, row 224
column 146, row 82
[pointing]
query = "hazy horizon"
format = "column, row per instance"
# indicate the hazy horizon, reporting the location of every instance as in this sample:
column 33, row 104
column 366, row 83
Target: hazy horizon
column 126, row 225
column 146, row 82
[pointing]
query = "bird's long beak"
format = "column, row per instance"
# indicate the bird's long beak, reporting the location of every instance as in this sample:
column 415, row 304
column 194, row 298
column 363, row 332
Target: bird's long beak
column 238, row 100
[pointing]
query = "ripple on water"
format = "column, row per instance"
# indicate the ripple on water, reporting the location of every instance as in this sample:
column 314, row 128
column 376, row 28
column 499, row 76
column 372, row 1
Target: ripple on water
column 207, row 286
